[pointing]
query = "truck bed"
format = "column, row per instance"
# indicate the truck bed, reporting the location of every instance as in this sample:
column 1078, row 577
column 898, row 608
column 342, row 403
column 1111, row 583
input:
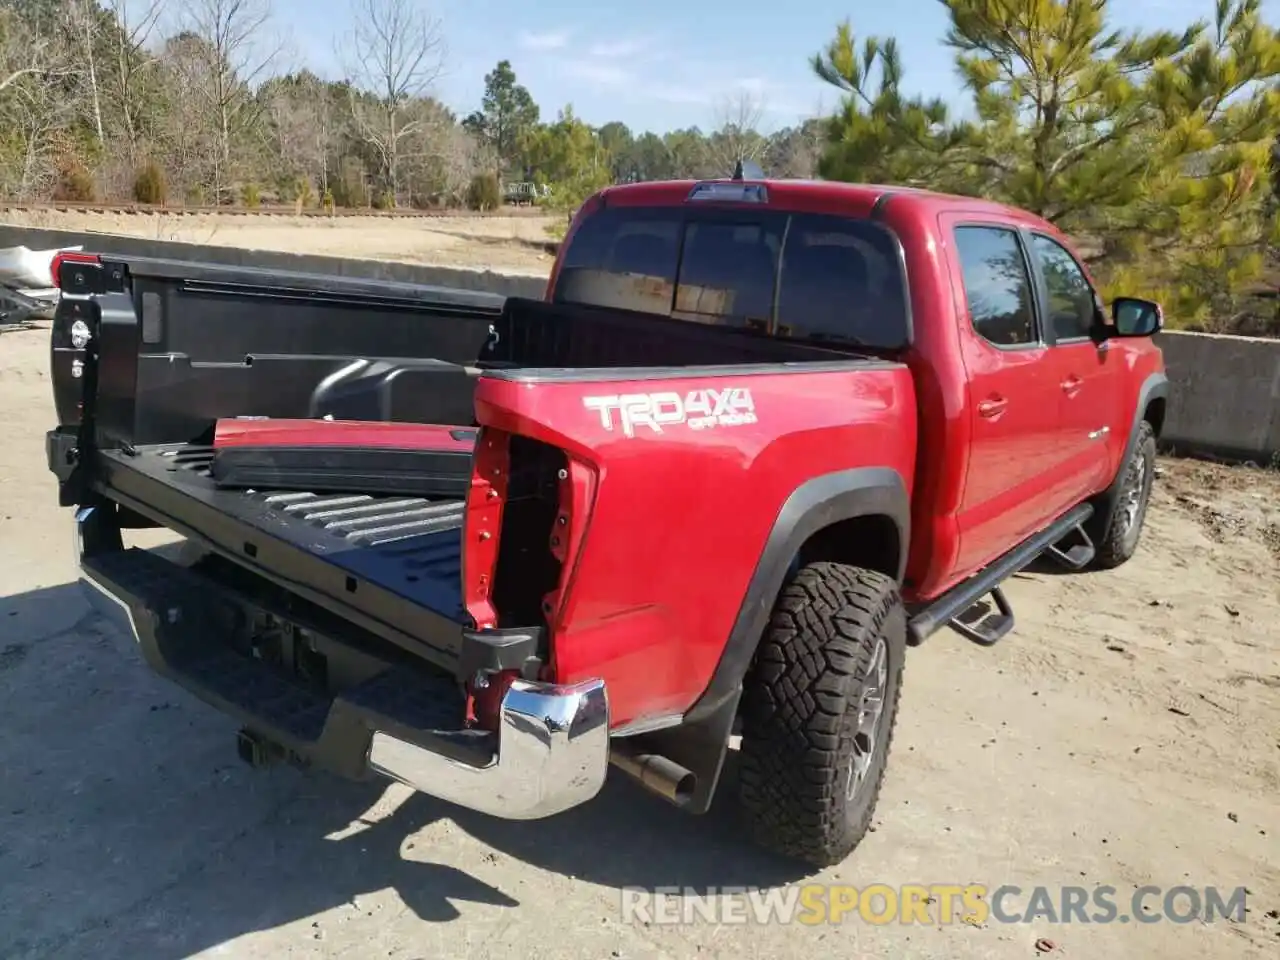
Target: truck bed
column 391, row 564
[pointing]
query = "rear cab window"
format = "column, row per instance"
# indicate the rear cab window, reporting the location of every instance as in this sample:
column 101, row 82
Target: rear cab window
column 816, row 277
column 997, row 285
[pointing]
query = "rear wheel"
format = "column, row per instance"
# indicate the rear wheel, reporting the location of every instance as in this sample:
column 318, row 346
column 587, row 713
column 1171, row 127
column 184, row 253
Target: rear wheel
column 819, row 709
column 1120, row 541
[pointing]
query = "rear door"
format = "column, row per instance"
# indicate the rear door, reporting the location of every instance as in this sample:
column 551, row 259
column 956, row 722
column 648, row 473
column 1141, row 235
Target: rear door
column 1012, row 486
column 1085, row 371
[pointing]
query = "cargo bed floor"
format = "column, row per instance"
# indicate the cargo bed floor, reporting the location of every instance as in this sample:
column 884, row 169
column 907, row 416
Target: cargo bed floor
column 406, row 544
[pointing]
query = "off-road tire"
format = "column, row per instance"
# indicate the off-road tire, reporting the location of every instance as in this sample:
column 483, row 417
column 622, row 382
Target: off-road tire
column 801, row 705
column 1120, row 540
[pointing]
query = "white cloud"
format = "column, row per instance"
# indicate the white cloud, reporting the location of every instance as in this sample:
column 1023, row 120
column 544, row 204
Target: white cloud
column 618, row 49
column 594, row 71
column 773, row 98
column 644, row 68
column 545, row 40
column 677, row 93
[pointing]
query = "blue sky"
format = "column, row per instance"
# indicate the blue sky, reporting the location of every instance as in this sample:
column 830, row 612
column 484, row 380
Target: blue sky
column 662, row 64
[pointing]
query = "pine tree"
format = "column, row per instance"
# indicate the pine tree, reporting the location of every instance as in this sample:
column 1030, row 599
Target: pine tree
column 878, row 135
column 1152, row 148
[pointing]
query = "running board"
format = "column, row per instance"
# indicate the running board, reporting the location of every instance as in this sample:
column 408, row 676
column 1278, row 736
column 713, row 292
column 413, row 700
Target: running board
column 945, row 610
column 991, row 628
column 1076, row 557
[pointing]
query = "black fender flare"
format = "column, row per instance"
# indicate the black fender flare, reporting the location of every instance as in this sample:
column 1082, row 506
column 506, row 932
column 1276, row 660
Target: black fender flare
column 817, row 503
column 1154, row 387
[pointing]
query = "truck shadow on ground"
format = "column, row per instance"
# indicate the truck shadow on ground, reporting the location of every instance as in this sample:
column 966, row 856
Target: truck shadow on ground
column 130, row 829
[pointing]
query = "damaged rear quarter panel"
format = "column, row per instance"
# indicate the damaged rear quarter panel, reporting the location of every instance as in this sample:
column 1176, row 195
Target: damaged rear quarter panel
column 682, row 511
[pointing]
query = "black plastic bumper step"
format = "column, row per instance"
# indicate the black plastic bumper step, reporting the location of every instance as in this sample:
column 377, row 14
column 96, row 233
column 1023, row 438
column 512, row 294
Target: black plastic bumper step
column 187, row 627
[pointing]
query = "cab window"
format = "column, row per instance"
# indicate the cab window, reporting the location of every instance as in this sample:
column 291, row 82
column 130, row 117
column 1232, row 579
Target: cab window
column 804, row 276
column 997, row 285
column 1071, row 301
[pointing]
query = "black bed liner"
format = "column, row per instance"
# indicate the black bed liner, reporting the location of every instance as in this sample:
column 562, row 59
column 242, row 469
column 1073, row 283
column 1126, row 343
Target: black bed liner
column 390, row 564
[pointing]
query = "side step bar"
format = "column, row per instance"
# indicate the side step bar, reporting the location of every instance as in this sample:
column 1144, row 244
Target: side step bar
column 993, row 627
column 1075, row 557
column 946, row 609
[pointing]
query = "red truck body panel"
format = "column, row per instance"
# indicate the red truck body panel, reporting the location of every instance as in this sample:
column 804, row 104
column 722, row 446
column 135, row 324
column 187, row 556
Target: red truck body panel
column 342, row 433
column 651, row 603
column 980, row 484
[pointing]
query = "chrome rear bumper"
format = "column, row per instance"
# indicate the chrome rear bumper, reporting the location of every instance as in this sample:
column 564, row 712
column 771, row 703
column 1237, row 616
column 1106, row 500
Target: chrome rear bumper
column 550, row 752
column 553, row 754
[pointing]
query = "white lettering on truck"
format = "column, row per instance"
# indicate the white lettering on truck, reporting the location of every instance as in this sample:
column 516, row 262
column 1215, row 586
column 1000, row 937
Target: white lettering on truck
column 699, row 409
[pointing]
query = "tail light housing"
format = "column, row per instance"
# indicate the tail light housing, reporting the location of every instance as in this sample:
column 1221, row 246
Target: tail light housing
column 82, row 281
column 525, row 514
column 482, row 528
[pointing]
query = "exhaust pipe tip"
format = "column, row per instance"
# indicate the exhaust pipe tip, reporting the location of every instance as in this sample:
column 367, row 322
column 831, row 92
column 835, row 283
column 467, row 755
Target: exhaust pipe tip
column 657, row 774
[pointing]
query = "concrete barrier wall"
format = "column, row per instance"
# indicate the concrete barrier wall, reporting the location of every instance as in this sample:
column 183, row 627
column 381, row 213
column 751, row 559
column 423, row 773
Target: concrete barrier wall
column 1224, row 396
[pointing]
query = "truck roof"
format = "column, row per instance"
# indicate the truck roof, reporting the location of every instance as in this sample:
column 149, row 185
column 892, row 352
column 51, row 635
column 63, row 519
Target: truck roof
column 840, row 196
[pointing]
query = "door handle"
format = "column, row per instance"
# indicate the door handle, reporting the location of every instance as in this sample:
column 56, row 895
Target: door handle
column 992, row 407
column 1071, row 385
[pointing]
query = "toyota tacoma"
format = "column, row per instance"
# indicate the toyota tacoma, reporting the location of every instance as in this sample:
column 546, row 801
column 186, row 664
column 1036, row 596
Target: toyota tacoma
column 757, row 439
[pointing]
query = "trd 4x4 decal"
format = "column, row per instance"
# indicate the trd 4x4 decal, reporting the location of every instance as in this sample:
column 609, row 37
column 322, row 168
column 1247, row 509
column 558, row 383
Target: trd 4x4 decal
column 699, row 409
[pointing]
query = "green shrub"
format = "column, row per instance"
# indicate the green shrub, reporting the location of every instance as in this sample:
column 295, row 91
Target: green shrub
column 347, row 186
column 327, row 201
column 150, row 187
column 74, row 183
column 484, row 192
column 386, row 200
column 250, row 195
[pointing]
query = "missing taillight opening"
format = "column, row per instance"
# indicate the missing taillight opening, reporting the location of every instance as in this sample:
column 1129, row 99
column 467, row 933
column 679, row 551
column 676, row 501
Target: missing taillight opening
column 517, row 530
column 530, row 556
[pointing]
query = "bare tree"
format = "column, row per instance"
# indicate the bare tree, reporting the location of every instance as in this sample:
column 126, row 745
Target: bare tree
column 82, row 21
column 132, row 61
column 29, row 51
column 394, row 55
column 236, row 53
column 303, row 127
column 737, row 134
column 36, row 117
column 35, row 109
column 458, row 157
column 188, row 132
column 438, row 158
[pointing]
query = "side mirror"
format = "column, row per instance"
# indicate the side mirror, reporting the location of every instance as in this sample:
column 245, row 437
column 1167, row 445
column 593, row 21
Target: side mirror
column 1132, row 317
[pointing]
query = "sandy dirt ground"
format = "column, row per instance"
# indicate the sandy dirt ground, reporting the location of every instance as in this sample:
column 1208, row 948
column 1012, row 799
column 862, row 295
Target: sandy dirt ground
column 1127, row 734
column 510, row 244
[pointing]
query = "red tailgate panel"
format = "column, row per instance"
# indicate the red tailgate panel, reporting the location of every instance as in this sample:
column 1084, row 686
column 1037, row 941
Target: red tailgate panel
column 343, row 433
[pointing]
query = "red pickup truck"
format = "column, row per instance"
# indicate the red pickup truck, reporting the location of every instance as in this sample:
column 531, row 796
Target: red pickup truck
column 757, row 438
